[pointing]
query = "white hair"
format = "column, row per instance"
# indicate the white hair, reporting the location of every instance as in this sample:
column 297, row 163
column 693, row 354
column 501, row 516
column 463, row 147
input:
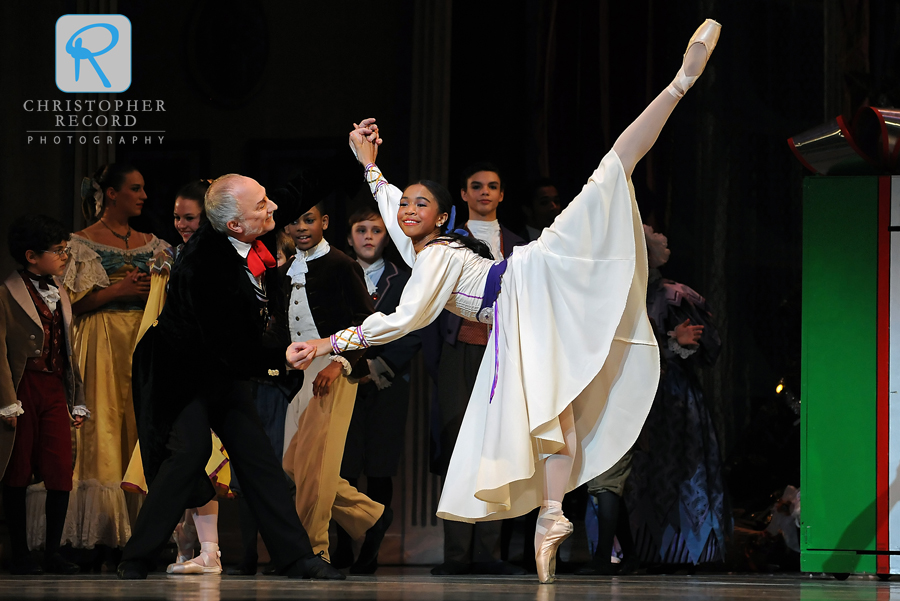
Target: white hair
column 221, row 203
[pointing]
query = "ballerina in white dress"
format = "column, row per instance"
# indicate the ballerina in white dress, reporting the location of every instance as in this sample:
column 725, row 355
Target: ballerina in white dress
column 572, row 365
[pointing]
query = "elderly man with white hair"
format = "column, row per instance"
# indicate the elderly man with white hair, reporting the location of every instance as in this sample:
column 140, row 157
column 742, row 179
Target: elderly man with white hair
column 192, row 370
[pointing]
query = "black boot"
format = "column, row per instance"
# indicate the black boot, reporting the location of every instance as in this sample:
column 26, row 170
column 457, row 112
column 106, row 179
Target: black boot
column 14, row 511
column 315, row 568
column 607, row 520
column 367, row 562
column 343, row 554
column 630, row 561
column 249, row 534
column 57, row 506
column 380, row 490
column 135, row 569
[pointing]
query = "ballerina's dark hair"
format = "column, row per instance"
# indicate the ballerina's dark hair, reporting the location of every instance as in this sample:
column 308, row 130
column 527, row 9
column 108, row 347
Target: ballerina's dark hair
column 445, row 205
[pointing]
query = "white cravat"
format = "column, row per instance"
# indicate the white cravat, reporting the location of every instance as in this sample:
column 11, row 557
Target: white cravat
column 373, row 274
column 50, row 296
column 297, row 270
column 489, row 233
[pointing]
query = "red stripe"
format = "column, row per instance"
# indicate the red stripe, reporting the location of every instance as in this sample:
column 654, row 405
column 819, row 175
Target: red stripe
column 800, row 157
column 851, row 141
column 882, row 537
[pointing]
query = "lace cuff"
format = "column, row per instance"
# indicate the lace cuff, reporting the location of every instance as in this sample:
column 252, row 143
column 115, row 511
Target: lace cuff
column 374, row 178
column 351, row 339
column 14, row 410
column 81, row 411
column 346, row 368
column 380, row 373
column 679, row 350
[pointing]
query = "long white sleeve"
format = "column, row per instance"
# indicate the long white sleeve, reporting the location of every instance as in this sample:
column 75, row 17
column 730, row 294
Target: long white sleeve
column 388, row 198
column 435, row 275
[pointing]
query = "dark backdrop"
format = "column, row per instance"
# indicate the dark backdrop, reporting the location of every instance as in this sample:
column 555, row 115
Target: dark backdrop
column 540, row 87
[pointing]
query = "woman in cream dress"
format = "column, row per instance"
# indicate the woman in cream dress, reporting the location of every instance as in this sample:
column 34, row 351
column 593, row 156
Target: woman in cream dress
column 108, row 281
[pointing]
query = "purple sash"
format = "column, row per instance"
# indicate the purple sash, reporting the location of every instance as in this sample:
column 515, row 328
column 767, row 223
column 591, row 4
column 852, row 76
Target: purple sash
column 491, row 292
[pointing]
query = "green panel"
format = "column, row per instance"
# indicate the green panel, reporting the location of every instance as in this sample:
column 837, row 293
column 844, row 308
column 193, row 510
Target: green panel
column 840, row 253
column 836, row 562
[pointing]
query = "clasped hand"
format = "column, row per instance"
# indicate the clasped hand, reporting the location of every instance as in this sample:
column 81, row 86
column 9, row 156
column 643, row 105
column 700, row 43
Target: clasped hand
column 300, row 354
column 135, row 285
column 364, row 141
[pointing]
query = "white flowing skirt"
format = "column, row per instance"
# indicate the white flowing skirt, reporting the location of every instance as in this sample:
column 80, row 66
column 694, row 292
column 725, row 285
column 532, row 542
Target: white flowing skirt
column 571, row 326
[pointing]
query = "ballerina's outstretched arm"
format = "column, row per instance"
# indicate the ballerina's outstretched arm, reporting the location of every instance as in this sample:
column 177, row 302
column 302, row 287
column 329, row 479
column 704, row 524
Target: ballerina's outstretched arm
column 639, row 137
column 425, row 295
column 364, row 142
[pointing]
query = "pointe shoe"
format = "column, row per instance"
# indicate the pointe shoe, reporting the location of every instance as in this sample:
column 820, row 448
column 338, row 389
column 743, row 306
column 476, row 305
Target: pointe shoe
column 185, row 542
column 208, row 562
column 708, row 35
column 545, row 555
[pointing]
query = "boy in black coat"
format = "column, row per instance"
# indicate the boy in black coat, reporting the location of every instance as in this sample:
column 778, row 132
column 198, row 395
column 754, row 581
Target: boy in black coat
column 325, row 292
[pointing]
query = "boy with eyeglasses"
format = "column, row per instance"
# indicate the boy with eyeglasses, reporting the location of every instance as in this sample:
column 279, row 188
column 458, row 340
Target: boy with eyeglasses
column 41, row 392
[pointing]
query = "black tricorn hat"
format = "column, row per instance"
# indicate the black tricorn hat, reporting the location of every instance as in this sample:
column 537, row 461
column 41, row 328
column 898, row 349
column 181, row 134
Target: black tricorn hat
column 318, row 180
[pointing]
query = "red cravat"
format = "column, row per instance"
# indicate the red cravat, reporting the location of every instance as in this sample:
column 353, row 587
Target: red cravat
column 260, row 259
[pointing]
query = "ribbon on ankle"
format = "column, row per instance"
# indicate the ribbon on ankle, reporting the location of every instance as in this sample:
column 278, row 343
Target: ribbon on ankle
column 869, row 146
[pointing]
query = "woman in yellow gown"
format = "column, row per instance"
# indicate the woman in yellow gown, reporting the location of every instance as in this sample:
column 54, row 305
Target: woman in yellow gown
column 201, row 521
column 108, row 281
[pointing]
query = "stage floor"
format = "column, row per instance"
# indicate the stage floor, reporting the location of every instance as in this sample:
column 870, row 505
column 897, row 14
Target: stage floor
column 416, row 584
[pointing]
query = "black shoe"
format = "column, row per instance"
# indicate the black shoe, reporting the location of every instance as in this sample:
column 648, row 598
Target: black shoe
column 56, row 564
column 132, row 570
column 315, row 568
column 369, row 568
column 367, row 562
column 451, row 568
column 245, row 568
column 25, row 566
column 497, row 568
column 270, row 570
column 628, row 566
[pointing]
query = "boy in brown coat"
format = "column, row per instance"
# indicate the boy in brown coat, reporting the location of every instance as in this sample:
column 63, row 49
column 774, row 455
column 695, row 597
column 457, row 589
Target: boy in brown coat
column 40, row 389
